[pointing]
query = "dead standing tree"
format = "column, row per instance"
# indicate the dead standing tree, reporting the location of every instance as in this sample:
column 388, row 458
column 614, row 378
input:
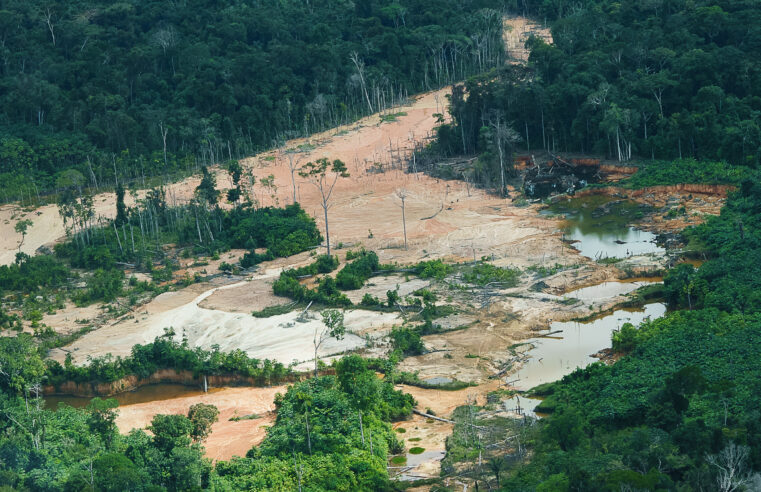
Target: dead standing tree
column 324, row 174
column 293, row 167
column 504, row 136
column 402, row 194
column 359, row 64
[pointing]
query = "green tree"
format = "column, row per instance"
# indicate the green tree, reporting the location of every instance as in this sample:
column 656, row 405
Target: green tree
column 20, row 363
column 332, row 327
column 202, row 416
column 121, row 208
column 170, row 431
column 114, row 472
column 21, row 228
column 101, row 419
column 207, row 188
column 323, row 175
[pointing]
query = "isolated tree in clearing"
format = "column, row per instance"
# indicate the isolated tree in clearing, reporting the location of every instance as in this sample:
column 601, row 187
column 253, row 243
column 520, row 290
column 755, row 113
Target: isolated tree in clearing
column 21, row 228
column 202, row 416
column 333, row 327
column 323, row 175
column 402, row 194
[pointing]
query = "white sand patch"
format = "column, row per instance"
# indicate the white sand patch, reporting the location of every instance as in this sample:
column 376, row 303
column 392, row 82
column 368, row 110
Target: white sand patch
column 283, row 337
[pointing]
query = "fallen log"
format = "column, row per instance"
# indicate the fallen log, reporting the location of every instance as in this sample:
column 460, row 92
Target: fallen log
column 429, row 416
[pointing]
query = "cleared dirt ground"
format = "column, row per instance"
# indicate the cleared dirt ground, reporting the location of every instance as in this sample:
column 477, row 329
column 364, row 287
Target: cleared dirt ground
column 228, row 438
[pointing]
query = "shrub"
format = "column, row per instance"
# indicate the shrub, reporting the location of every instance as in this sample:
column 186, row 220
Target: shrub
column 253, row 258
column 486, row 273
column 370, row 300
column 432, row 269
column 354, row 275
column 406, row 341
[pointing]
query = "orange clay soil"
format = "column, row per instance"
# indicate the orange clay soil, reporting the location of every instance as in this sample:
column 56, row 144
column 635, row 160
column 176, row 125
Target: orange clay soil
column 228, row 438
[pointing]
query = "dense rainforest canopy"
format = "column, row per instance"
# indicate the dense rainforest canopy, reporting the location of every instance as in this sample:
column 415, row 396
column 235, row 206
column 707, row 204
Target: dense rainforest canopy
column 650, row 79
column 138, row 88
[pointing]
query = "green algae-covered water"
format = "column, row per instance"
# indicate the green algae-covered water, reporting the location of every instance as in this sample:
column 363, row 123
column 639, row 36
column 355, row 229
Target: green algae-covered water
column 599, row 227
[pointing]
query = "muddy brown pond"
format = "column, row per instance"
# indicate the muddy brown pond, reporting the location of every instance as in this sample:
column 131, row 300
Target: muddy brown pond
column 599, row 227
column 144, row 394
column 571, row 346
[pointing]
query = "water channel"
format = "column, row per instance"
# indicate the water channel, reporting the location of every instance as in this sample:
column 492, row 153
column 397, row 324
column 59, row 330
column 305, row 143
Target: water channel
column 144, row 394
column 599, row 228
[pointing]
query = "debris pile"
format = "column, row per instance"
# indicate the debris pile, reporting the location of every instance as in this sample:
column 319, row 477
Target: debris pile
column 558, row 175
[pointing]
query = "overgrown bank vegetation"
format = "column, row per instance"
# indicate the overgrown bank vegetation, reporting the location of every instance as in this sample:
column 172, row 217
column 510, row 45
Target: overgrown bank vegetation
column 332, row 432
column 679, row 410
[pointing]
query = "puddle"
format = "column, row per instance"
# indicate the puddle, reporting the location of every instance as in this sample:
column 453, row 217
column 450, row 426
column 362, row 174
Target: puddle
column 144, row 394
column 609, row 290
column 554, row 357
column 407, row 473
column 438, row 381
column 599, row 227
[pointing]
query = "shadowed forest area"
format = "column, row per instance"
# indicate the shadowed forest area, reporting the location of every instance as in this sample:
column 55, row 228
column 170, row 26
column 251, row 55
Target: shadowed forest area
column 136, row 89
column 624, row 80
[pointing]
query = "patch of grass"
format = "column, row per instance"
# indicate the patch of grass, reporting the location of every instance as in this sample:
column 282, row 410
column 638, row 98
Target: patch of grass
column 686, row 171
column 399, row 460
column 541, row 271
column 486, row 273
column 252, row 416
column 416, row 450
column 415, row 439
column 274, row 310
column 611, row 260
column 400, row 430
column 387, row 118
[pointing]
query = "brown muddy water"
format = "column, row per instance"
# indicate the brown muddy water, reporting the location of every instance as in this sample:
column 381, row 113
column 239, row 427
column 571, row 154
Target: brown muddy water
column 599, row 227
column 609, row 290
column 562, row 353
column 144, row 394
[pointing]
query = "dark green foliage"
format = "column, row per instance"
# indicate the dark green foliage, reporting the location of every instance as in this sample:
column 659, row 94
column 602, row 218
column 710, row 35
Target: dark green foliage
column 354, row 275
column 406, row 340
column 252, row 258
column 102, row 285
column 121, row 208
column 152, row 224
column 432, row 269
column 666, row 83
column 656, row 173
column 207, row 189
column 327, row 292
column 351, row 276
column 173, row 91
column 486, row 273
column 318, row 426
column 370, row 300
column 274, row 310
column 28, row 274
column 165, row 353
column 392, row 298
